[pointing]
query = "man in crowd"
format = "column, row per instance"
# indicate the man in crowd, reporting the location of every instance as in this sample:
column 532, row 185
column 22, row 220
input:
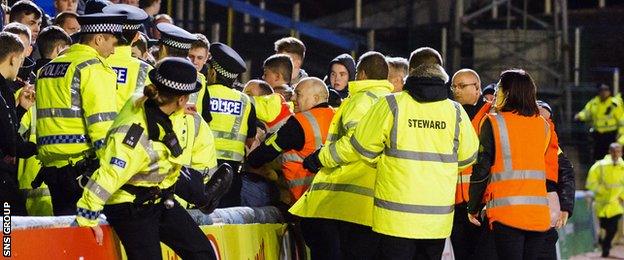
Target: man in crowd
column 29, row 14
column 294, row 48
column 12, row 146
column 52, row 41
column 399, row 68
column 199, row 54
column 68, row 21
column 277, row 70
column 65, row 6
column 300, row 136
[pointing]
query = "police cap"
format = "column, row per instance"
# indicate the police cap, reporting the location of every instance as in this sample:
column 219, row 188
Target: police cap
column 175, row 75
column 226, row 61
column 134, row 16
column 102, row 23
column 175, row 37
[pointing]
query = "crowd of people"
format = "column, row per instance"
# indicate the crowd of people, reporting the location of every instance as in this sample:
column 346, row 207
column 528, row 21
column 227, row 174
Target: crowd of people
column 111, row 108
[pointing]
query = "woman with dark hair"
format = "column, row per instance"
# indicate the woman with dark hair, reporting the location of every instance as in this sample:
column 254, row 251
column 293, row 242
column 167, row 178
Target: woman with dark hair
column 146, row 147
column 511, row 171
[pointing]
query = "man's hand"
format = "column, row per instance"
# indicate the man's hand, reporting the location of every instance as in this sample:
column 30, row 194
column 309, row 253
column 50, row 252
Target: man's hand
column 312, row 162
column 473, row 218
column 26, row 97
column 563, row 219
column 99, row 235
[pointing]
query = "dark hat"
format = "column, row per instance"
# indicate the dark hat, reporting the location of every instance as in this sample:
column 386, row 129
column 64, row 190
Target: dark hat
column 134, row 16
column 95, row 6
column 544, row 105
column 490, row 89
column 175, row 37
column 226, row 61
column 175, row 75
column 101, row 23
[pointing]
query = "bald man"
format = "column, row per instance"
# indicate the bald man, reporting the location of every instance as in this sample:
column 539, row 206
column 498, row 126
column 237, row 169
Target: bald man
column 465, row 237
column 301, row 135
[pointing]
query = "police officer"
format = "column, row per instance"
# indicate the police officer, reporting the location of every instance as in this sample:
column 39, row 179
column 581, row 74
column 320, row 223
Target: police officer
column 300, row 136
column 147, row 145
column 605, row 114
column 76, row 106
column 229, row 113
column 131, row 72
column 418, row 139
column 177, row 42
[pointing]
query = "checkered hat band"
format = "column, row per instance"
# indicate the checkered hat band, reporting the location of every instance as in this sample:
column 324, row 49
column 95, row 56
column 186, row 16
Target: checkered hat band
column 131, row 27
column 102, row 28
column 176, row 85
column 176, row 44
column 222, row 71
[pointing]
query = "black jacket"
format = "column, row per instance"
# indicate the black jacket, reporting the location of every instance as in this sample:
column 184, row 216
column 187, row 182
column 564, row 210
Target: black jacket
column 566, row 184
column 11, row 143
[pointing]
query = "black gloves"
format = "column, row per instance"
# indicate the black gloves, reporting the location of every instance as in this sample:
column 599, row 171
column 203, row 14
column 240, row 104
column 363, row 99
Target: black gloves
column 312, row 162
column 217, row 186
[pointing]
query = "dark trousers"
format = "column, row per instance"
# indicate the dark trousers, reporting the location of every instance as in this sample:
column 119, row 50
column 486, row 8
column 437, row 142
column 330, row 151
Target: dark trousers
column 142, row 228
column 358, row 241
column 610, row 226
column 232, row 198
column 322, row 237
column 405, row 248
column 465, row 235
column 10, row 194
column 517, row 244
column 549, row 250
column 602, row 142
column 64, row 188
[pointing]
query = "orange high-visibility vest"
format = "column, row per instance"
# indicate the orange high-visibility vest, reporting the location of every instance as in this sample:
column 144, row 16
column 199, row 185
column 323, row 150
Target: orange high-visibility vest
column 516, row 194
column 552, row 155
column 315, row 123
column 463, row 182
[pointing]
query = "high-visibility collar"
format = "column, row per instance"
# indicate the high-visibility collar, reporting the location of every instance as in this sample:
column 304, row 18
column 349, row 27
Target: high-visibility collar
column 608, row 161
column 79, row 47
column 365, row 85
column 123, row 51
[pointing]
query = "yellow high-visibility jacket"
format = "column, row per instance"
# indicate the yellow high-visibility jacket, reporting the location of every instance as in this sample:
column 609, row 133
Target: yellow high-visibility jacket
column 144, row 162
column 230, row 111
column 345, row 192
column 76, row 105
column 604, row 116
column 131, row 74
column 606, row 180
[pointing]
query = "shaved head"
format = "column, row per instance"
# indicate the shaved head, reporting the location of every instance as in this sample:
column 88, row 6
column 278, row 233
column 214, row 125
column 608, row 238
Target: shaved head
column 466, row 86
column 310, row 92
column 256, row 87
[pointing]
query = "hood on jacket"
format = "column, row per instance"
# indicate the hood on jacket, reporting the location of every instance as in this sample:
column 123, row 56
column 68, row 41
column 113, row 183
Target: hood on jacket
column 347, row 61
column 426, row 89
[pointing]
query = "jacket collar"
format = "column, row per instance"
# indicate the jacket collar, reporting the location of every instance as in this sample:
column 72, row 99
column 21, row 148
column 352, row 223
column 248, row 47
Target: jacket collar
column 366, row 85
column 607, row 160
column 122, row 51
column 426, row 89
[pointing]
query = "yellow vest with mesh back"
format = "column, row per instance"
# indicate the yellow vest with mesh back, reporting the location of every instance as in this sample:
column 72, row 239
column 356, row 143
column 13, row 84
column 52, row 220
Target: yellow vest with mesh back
column 131, row 74
column 345, row 192
column 230, row 110
column 147, row 164
column 76, row 105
